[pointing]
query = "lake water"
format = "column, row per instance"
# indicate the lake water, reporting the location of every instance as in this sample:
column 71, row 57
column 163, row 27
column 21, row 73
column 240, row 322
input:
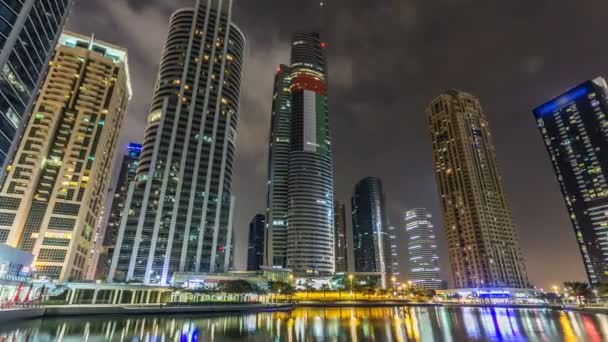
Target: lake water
column 313, row 324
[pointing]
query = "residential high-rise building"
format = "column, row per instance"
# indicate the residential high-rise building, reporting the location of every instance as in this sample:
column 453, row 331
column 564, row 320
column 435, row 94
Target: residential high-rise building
column 128, row 169
column 310, row 218
column 483, row 245
column 255, row 247
column 574, row 127
column 393, row 249
column 422, row 249
column 340, row 243
column 179, row 208
column 29, row 34
column 53, row 195
column 370, row 229
column 275, row 244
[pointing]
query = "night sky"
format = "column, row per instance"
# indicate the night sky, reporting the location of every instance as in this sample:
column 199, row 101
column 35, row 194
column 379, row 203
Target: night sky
column 387, row 60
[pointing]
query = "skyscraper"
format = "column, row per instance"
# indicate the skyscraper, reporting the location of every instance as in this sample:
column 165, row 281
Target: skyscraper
column 574, row 128
column 56, row 186
column 300, row 109
column 29, row 33
column 275, row 244
column 370, row 230
column 255, row 247
column 393, row 249
column 422, row 249
column 179, row 208
column 128, row 169
column 483, row 245
column 340, row 243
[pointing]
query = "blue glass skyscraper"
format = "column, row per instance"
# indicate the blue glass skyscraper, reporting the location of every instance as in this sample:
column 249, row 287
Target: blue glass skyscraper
column 574, row 127
column 29, row 30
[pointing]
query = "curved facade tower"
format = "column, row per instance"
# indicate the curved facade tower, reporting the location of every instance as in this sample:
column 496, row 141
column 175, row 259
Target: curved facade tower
column 310, row 218
column 370, row 229
column 179, row 209
column 422, row 249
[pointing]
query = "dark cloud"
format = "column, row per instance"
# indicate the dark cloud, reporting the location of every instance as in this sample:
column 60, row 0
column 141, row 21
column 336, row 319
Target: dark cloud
column 387, row 59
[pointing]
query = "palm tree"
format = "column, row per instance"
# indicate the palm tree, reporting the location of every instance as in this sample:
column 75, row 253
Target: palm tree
column 324, row 288
column 578, row 290
column 309, row 286
column 369, row 291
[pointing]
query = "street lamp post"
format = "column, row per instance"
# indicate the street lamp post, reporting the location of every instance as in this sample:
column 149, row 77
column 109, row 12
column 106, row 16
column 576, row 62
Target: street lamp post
column 350, row 277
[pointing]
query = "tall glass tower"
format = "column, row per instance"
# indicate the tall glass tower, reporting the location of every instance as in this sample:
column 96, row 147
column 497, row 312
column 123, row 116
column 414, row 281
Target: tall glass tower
column 128, row 170
column 341, row 245
column 275, row 237
column 574, row 127
column 422, row 249
column 29, row 32
column 255, row 246
column 482, row 241
column 179, row 208
column 370, row 229
column 310, row 218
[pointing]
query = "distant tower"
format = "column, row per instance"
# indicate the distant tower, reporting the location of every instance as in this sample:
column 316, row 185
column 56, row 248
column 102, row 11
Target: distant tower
column 128, row 169
column 255, row 247
column 53, row 195
column 422, row 249
column 574, row 127
column 483, row 245
column 28, row 37
column 393, row 248
column 370, row 229
column 310, row 218
column 180, row 205
column 341, row 244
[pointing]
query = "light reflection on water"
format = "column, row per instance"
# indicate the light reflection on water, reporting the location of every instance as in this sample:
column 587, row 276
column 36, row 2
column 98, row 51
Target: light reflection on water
column 339, row 324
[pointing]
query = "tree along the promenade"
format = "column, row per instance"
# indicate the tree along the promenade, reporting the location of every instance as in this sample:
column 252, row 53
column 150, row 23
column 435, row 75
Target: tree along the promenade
column 578, row 290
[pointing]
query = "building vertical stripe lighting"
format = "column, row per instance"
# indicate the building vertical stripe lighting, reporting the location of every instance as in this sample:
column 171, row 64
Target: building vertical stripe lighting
column 180, row 206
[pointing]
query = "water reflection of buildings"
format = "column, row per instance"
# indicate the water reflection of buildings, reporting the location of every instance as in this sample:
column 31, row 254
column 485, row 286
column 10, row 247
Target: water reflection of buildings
column 331, row 324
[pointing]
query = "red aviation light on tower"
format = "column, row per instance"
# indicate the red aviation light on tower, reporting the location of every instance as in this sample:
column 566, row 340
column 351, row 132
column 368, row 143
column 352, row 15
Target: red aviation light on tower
column 322, row 45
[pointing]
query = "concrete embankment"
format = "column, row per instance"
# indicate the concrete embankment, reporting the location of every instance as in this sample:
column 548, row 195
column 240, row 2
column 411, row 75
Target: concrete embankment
column 20, row 314
column 93, row 310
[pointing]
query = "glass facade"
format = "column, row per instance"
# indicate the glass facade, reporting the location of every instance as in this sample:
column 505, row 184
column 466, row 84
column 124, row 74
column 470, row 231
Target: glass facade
column 275, row 243
column 179, row 208
column 370, row 227
column 422, row 249
column 29, row 30
column 255, row 247
column 340, row 243
column 574, row 127
column 128, row 170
